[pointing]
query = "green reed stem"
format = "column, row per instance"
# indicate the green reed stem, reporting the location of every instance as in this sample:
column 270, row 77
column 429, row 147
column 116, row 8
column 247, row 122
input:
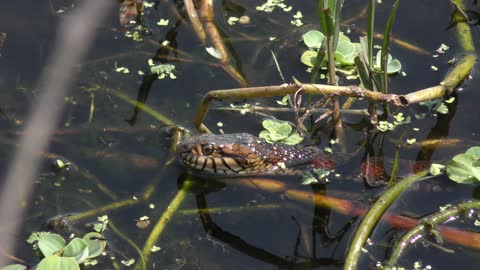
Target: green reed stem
column 373, row 216
column 163, row 221
column 428, row 223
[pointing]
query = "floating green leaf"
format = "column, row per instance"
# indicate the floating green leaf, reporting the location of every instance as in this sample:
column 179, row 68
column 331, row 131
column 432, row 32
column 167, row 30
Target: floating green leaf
column 78, row 249
column 50, row 244
column 465, row 168
column 313, row 39
column 293, row 139
column 58, row 263
column 277, row 136
column 308, row 58
column 393, row 65
column 346, row 51
column 474, row 152
column 436, row 105
column 96, row 244
column 276, row 126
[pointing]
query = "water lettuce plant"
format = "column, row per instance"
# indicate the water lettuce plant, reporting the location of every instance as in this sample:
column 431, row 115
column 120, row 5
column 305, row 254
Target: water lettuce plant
column 279, row 131
column 345, row 53
column 59, row 255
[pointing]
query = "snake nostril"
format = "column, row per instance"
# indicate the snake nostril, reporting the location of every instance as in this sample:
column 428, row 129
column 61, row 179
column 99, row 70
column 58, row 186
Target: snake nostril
column 207, row 149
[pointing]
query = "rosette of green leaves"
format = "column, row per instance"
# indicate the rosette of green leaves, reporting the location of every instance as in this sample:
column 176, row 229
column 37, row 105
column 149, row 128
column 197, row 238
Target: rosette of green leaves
column 58, row 255
column 344, row 54
column 279, row 131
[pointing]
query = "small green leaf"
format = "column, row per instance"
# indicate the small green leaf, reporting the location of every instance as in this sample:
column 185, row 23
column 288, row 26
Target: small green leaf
column 450, row 100
column 308, row 58
column 96, row 244
column 321, row 173
column 459, row 169
column 442, row 108
column 436, row 169
column 345, row 47
column 264, row 134
column 313, row 39
column 51, row 243
column 58, row 263
column 309, row 179
column 476, row 173
column 35, row 237
column 394, row 66
column 269, row 125
column 284, row 100
column 283, row 129
column 78, row 249
column 277, row 137
column 474, row 152
column 293, row 139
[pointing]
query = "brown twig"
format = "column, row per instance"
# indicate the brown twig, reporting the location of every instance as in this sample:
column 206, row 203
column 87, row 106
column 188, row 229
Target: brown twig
column 195, row 21
column 208, row 18
column 287, row 89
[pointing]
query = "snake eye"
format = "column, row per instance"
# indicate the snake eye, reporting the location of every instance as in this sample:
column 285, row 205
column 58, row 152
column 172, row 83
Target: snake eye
column 207, row 149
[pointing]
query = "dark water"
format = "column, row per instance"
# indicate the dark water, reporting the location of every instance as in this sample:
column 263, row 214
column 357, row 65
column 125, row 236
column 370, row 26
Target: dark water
column 291, row 234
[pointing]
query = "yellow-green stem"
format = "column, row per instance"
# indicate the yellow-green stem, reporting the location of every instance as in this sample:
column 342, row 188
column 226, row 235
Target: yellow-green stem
column 373, row 216
column 163, row 221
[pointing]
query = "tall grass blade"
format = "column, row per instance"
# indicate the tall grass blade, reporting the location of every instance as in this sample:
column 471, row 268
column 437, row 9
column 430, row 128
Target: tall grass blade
column 393, row 174
column 325, row 18
column 336, row 12
column 318, row 62
column 363, row 73
column 370, row 32
column 386, row 45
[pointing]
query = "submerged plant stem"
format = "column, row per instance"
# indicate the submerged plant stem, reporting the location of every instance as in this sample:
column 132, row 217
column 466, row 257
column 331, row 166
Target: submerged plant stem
column 427, row 224
column 213, row 210
column 100, row 210
column 194, row 19
column 160, row 117
column 163, row 221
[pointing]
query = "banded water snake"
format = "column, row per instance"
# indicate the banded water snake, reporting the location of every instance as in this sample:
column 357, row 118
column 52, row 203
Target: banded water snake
column 242, row 154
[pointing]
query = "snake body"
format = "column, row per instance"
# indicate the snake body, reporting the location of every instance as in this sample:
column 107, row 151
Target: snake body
column 242, row 154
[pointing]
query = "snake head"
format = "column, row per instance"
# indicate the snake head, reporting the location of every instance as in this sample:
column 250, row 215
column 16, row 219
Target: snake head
column 223, row 155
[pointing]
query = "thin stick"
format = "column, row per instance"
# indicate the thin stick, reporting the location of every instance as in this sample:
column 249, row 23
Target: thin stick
column 256, row 108
column 103, row 209
column 196, row 24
